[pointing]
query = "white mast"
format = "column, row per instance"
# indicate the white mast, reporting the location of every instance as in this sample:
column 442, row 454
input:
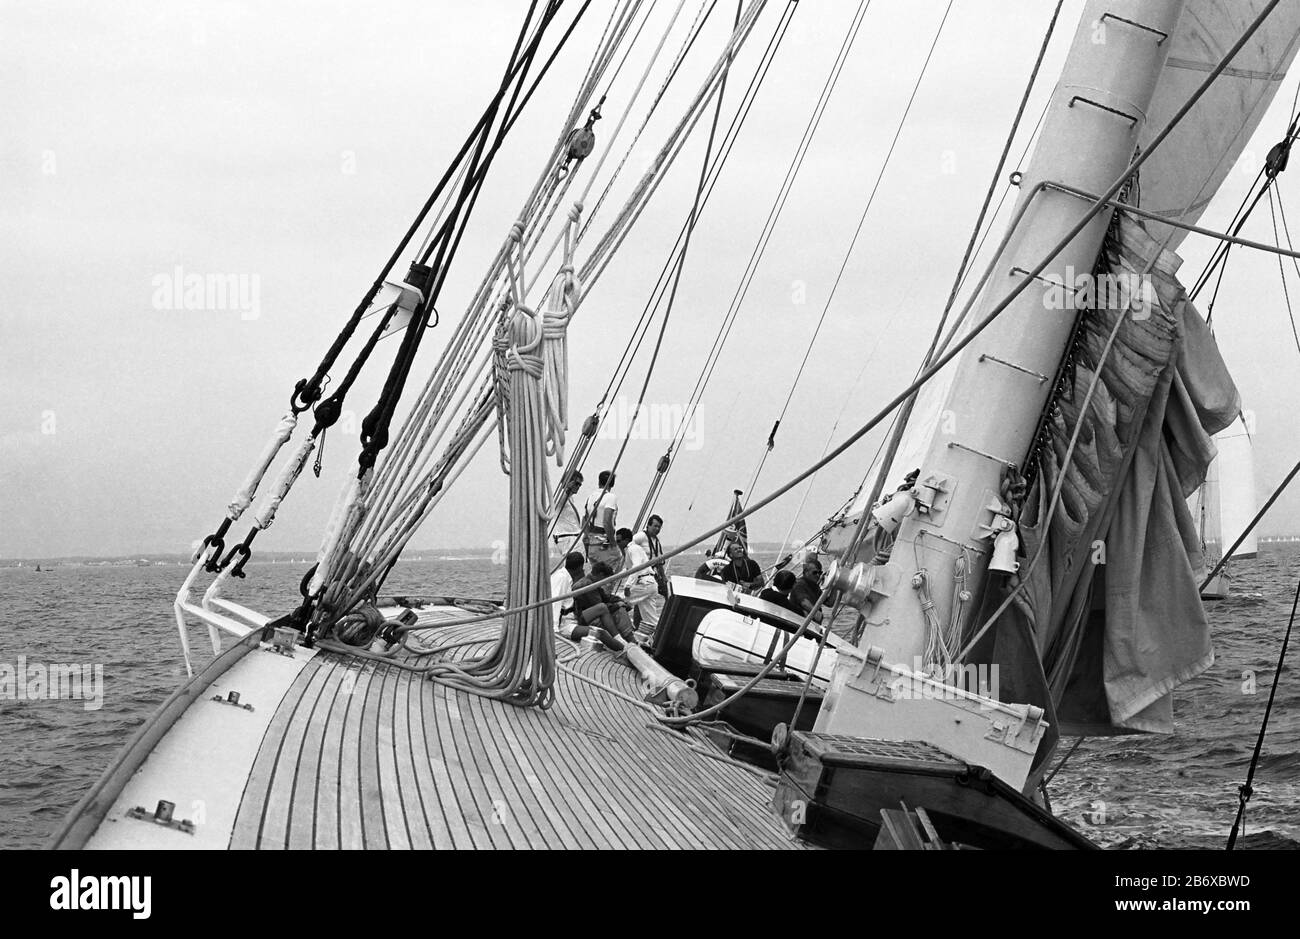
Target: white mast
column 1004, row 377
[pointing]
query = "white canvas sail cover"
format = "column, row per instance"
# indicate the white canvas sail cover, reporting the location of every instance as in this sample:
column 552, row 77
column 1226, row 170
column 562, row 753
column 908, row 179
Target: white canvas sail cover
column 1186, row 171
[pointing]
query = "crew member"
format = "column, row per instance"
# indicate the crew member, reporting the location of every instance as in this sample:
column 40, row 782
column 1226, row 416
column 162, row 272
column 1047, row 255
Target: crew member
column 652, row 529
column 568, row 523
column 742, row 570
column 600, row 532
column 642, row 589
column 779, row 593
column 573, row 569
column 808, row 588
column 597, row 611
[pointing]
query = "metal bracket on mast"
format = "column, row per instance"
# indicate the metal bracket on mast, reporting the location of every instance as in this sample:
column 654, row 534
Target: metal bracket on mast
column 1060, row 284
column 1136, row 25
column 1105, row 107
column 1019, row 368
column 988, row 456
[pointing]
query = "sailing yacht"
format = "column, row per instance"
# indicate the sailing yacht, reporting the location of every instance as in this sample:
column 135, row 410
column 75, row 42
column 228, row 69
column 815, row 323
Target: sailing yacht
column 1024, row 529
column 1225, row 505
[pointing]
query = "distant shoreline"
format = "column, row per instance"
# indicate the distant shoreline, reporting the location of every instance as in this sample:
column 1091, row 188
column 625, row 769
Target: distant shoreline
column 414, row 554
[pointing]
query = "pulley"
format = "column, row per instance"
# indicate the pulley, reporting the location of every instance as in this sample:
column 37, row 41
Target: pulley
column 582, row 140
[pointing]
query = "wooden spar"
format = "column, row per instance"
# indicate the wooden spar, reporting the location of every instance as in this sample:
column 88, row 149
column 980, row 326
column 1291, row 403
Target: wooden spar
column 992, row 410
column 659, row 678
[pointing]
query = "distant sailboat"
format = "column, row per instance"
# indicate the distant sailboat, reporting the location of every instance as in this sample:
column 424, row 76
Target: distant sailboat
column 1225, row 505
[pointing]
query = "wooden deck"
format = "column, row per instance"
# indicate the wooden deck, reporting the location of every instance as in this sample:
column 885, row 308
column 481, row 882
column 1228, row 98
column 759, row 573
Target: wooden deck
column 372, row 756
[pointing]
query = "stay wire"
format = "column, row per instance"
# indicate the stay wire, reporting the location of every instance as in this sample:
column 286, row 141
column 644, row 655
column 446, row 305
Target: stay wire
column 857, row 233
column 729, row 139
column 1247, row 790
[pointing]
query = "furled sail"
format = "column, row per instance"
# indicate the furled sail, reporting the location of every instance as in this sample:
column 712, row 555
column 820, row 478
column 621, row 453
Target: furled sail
column 1111, row 622
column 1186, row 171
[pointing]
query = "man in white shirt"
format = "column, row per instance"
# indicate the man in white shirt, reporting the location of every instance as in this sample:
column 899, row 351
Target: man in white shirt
column 568, row 523
column 572, row 569
column 600, row 516
column 643, row 588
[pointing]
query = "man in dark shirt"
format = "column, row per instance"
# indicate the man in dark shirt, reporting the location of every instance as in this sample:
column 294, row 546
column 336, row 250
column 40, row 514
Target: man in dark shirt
column 808, row 588
column 595, row 608
column 742, row 570
column 779, row 593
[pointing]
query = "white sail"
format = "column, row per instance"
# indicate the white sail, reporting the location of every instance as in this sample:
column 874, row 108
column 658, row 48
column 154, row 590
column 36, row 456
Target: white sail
column 1234, row 499
column 1186, row 171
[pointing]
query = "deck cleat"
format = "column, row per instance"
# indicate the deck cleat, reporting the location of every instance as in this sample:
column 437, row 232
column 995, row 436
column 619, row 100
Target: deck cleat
column 231, row 698
column 163, row 815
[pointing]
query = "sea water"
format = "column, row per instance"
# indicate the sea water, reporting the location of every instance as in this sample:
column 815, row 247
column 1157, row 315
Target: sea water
column 1132, row 791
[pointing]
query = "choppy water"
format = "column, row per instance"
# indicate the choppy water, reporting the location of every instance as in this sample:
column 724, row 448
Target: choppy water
column 1164, row 792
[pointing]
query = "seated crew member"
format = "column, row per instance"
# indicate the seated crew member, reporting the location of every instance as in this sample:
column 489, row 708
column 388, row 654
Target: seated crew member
column 779, row 593
column 808, row 588
column 742, row 570
column 573, row 568
column 642, row 589
column 605, row 616
column 600, row 515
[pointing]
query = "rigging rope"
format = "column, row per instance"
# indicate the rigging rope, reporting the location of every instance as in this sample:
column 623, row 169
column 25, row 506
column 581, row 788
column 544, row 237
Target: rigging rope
column 765, row 235
column 641, row 329
column 814, row 122
column 1281, row 269
column 1095, row 207
column 691, row 221
column 857, row 233
column 1246, row 790
column 369, row 573
column 900, row 427
column 675, row 258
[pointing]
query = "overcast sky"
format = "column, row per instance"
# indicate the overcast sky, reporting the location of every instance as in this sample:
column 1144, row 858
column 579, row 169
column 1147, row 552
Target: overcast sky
column 290, row 143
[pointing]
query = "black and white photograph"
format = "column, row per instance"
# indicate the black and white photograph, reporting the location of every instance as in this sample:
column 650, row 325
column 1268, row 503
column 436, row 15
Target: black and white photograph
column 650, row 425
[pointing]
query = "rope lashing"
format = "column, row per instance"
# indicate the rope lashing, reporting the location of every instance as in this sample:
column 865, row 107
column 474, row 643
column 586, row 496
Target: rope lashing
column 558, row 308
column 244, row 495
column 516, row 365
